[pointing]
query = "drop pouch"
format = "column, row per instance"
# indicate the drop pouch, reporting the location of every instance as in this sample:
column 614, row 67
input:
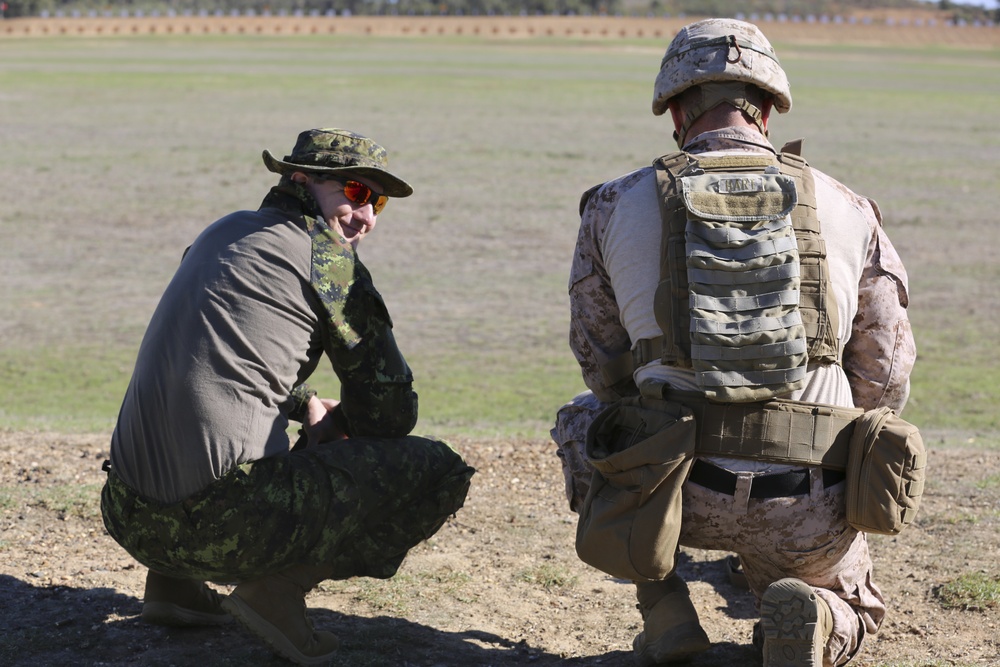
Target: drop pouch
column 642, row 450
column 886, row 467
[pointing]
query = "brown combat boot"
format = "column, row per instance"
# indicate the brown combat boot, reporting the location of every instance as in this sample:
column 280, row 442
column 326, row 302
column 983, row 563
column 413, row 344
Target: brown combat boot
column 274, row 609
column 795, row 624
column 670, row 628
column 181, row 603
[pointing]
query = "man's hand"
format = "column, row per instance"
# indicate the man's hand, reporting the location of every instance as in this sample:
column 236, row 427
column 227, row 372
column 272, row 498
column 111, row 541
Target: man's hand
column 321, row 423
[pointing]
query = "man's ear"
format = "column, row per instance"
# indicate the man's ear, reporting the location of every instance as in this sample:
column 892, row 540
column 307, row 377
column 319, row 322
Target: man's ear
column 299, row 177
column 676, row 114
column 765, row 112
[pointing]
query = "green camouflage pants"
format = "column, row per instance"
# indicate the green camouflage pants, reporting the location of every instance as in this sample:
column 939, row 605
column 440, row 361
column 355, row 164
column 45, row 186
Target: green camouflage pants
column 356, row 505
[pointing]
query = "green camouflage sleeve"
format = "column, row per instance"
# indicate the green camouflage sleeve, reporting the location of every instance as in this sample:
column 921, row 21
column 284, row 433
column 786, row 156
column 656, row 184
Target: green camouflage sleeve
column 377, row 396
column 298, row 399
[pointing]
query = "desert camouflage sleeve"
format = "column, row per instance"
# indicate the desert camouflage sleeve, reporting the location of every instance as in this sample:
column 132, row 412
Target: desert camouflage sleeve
column 881, row 352
column 596, row 333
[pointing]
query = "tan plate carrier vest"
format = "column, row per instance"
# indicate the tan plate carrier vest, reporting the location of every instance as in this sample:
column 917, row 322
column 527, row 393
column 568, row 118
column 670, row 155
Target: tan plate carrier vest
column 752, row 422
column 676, row 297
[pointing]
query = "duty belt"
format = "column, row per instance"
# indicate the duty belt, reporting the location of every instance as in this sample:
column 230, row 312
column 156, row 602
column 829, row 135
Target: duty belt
column 777, row 485
column 778, row 430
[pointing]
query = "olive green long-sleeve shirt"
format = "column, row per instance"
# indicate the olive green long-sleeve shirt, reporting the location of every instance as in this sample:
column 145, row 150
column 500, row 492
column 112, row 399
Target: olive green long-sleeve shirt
column 258, row 299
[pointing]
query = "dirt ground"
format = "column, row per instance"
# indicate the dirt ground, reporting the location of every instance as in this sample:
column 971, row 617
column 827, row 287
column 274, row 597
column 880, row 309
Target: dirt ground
column 499, row 585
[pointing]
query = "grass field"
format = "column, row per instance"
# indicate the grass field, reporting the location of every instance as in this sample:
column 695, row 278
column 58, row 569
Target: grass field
column 117, row 151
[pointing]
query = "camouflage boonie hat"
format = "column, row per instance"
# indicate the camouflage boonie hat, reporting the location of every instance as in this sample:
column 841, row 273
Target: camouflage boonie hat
column 720, row 50
column 331, row 150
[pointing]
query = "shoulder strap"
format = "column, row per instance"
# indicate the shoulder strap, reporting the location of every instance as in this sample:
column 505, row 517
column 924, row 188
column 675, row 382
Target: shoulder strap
column 817, row 305
column 672, row 317
column 794, row 147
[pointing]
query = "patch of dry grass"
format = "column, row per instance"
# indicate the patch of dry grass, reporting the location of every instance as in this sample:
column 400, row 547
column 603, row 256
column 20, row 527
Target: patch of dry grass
column 119, row 150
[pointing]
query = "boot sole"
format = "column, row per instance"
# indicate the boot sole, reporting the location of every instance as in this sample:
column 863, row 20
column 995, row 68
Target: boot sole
column 790, row 625
column 176, row 616
column 271, row 636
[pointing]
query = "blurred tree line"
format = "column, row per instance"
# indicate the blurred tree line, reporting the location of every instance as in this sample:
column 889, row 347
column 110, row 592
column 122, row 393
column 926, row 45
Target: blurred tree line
column 15, row 8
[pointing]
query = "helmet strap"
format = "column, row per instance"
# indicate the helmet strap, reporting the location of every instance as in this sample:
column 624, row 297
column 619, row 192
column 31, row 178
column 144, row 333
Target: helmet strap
column 714, row 94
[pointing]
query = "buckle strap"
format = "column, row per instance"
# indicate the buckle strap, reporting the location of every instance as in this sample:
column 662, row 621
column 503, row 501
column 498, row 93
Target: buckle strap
column 623, row 365
column 779, row 485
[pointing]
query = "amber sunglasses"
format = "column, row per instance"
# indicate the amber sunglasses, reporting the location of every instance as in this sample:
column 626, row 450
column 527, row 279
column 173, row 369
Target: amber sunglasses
column 360, row 194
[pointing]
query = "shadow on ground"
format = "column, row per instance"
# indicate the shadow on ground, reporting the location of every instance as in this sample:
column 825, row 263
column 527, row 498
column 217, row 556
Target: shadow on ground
column 62, row 625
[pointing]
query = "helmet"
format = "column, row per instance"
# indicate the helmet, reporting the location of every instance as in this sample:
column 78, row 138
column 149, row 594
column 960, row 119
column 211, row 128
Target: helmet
column 720, row 50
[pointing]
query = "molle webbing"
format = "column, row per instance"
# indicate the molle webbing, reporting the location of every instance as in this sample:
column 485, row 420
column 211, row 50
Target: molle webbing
column 747, row 342
column 819, row 310
column 777, row 431
column 781, row 431
column 672, row 301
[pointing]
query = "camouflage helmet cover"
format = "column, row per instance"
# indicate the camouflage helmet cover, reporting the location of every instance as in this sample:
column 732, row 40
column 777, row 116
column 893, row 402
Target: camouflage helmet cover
column 720, row 50
column 332, row 150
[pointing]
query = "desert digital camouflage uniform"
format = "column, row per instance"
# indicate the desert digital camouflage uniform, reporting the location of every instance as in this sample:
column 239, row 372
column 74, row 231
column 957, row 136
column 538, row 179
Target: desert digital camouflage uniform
column 202, row 484
column 806, row 537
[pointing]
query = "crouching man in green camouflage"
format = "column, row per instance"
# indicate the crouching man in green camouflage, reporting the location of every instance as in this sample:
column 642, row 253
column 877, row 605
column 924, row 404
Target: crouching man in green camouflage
column 202, row 484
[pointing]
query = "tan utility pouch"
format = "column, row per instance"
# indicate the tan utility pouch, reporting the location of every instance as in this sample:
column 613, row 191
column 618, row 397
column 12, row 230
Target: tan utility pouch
column 886, row 465
column 642, row 449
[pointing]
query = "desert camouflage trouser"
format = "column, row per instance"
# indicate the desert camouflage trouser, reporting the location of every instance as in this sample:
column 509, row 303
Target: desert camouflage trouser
column 356, row 505
column 570, row 435
column 806, row 537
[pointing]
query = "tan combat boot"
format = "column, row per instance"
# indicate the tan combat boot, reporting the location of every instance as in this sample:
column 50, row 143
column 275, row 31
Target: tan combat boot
column 181, row 602
column 795, row 623
column 274, row 609
column 670, row 627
